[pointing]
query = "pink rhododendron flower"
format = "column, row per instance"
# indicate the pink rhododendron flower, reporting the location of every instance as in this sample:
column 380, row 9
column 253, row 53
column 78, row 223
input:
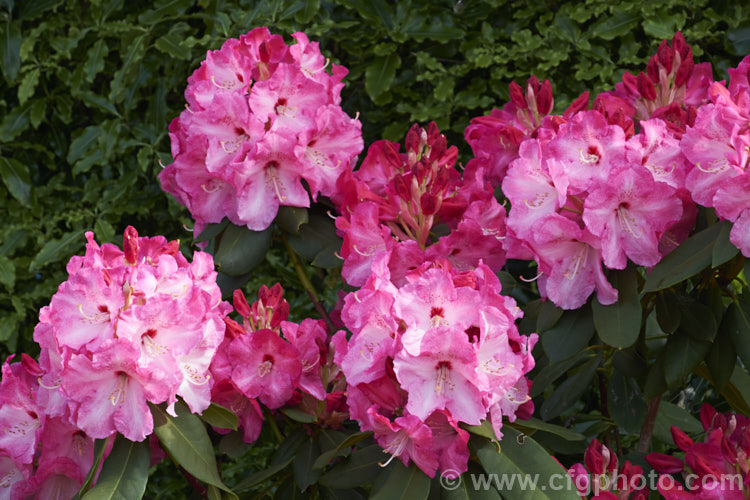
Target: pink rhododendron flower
column 438, row 349
column 262, row 117
column 143, row 322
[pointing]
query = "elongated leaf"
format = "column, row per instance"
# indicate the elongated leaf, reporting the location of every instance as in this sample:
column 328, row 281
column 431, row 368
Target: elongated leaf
column 688, row 259
column 682, row 354
column 670, row 414
column 470, row 486
column 288, row 448
column 362, row 467
column 55, row 250
column 616, row 25
column 569, row 335
column 7, row 272
column 724, row 250
column 290, row 219
column 555, row 370
column 569, row 391
column 220, row 417
column 95, row 61
column 401, row 483
column 620, row 323
column 347, row 443
column 211, row 231
column 380, row 73
column 241, row 249
column 32, row 10
column 15, row 122
column 261, row 476
column 373, row 10
column 299, row 415
column 17, row 179
column 304, row 473
column 170, row 45
column 520, row 462
column 737, row 322
column 130, row 60
column 186, row 440
column 124, row 474
column 10, row 49
column 82, row 144
column 549, row 315
column 540, row 425
column 667, row 312
column 697, row 320
column 317, row 241
column 626, row 404
column 100, row 446
column 722, row 359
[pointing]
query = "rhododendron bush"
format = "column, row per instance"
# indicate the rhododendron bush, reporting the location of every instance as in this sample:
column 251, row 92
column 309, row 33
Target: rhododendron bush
column 556, row 307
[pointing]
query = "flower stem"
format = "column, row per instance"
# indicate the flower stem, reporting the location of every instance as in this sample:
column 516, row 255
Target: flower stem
column 308, row 286
column 644, row 443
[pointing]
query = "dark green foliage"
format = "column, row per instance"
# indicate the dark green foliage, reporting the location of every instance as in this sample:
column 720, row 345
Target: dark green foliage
column 88, row 89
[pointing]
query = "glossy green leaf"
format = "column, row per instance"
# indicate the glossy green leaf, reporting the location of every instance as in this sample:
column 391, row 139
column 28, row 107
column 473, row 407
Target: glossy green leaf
column 697, row 320
column 299, row 415
column 656, row 382
column 306, row 14
column 260, row 476
column 317, row 241
column 15, row 122
column 218, row 416
column 33, row 10
column 170, row 45
column 187, row 442
column 722, row 358
column 401, row 483
column 124, row 474
column 302, row 466
column 688, row 259
column 58, row 249
column 95, row 59
column 16, row 178
column 82, row 144
column 682, row 354
column 468, row 487
column 737, row 323
column 232, row 445
column 667, row 312
column 549, row 315
column 211, row 231
column 620, row 323
column 567, row 393
column 553, row 371
column 360, row 468
column 534, row 424
column 724, row 250
column 616, row 25
column 10, row 49
column 521, row 457
column 288, row 448
column 241, row 250
column 291, row 219
column 7, row 272
column 130, row 60
column 625, row 403
column 347, row 443
column 100, row 446
column 569, row 335
column 373, row 10
column 670, row 414
column 740, row 38
column 380, row 74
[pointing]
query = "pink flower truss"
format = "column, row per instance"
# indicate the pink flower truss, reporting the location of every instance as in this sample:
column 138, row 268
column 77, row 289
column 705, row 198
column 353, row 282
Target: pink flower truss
column 438, row 350
column 261, row 117
column 126, row 328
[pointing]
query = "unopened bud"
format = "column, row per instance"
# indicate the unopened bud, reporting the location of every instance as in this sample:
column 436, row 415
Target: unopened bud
column 428, row 203
column 680, row 46
column 240, row 304
column 544, row 98
column 130, row 245
column 664, row 464
column 681, row 440
column 581, row 103
column 516, row 96
column 665, row 53
column 684, row 71
column 630, row 82
column 646, row 87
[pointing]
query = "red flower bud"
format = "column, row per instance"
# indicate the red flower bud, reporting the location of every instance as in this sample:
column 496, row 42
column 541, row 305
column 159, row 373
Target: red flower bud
column 630, row 82
column 413, row 137
column 681, row 440
column 428, row 203
column 390, row 154
column 240, row 304
column 130, row 245
column 31, row 366
column 652, row 69
column 646, row 87
column 665, row 53
column 233, row 329
column 684, row 71
column 401, row 188
column 516, row 96
column 336, row 401
column 533, row 85
column 581, row 103
column 728, row 451
column 544, row 98
column 664, row 464
column 680, row 46
column 708, row 413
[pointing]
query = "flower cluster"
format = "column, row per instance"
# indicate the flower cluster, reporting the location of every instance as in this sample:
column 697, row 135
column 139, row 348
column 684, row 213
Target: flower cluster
column 618, row 182
column 255, row 363
column 129, row 327
column 718, row 464
column 261, row 117
column 438, row 350
column 403, row 204
column 602, row 477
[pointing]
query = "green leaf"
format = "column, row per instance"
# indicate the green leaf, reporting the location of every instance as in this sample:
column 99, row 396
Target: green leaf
column 124, row 474
column 737, row 322
column 468, row 487
column 373, row 10
column 380, row 73
column 291, row 219
column 7, row 272
column 220, row 417
column 100, row 446
column 549, row 315
column 569, row 391
column 400, row 483
column 261, row 476
column 682, row 354
column 620, row 323
column 187, row 442
column 569, row 335
column 56, row 250
column 126, row 71
column 722, row 358
column 95, row 61
column 553, row 371
column 655, row 380
column 697, row 319
column 309, row 10
column 304, row 473
column 299, row 415
column 625, row 403
column 670, row 414
column 520, row 457
column 211, row 231
column 667, row 312
column 724, row 250
column 10, row 49
column 535, row 424
column 28, row 85
column 83, row 143
column 317, row 241
column 688, row 259
column 170, row 45
column 15, row 122
column 616, row 25
column 740, row 38
column 288, row 448
column 241, row 250
column 33, row 10
column 17, row 179
column 347, row 443
column 360, row 468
